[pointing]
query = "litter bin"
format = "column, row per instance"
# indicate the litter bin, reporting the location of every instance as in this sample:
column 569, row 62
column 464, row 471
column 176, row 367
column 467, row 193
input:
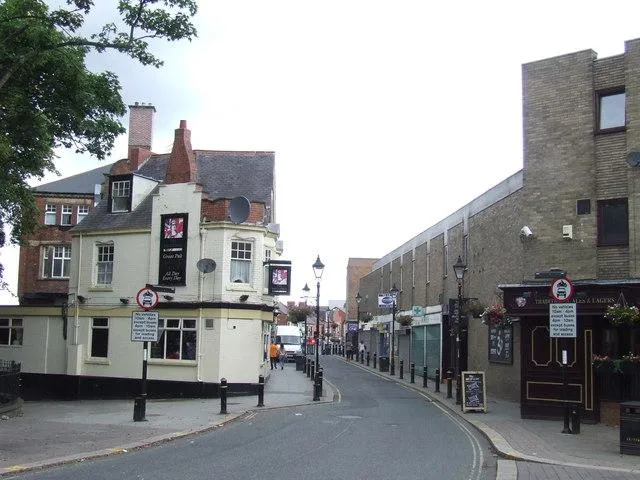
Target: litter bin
column 630, row 428
column 384, row 364
column 299, row 359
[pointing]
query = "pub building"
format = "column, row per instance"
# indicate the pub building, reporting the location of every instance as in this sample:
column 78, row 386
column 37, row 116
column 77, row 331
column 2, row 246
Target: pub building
column 593, row 386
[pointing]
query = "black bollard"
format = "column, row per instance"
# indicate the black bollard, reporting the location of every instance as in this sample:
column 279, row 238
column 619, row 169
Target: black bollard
column 313, row 370
column 368, row 358
column 308, row 367
column 316, row 397
column 412, row 372
column 304, row 365
column 575, row 419
column 320, row 377
column 424, row 376
column 223, row 396
column 260, row 391
column 401, row 369
column 449, row 385
column 375, row 356
column 437, row 380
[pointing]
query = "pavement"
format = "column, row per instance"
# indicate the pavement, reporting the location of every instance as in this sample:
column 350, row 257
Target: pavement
column 57, row 432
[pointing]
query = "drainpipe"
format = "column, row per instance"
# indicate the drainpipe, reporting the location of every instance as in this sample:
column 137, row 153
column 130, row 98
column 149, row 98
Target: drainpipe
column 76, row 325
column 203, row 233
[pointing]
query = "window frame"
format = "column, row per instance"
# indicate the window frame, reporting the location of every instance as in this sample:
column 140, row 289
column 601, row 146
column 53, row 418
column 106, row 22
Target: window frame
column 100, row 262
column 81, row 215
column 99, row 328
column 64, row 260
column 13, row 325
column 66, row 211
column 237, row 250
column 50, row 214
column 115, row 184
column 164, row 329
column 600, row 95
column 603, row 241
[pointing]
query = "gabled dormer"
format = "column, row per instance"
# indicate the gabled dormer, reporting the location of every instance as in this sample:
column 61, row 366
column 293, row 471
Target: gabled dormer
column 127, row 191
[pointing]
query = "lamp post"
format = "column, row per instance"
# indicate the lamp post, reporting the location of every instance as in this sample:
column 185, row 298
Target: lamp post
column 392, row 365
column 306, row 291
column 358, row 300
column 318, row 268
column 459, row 268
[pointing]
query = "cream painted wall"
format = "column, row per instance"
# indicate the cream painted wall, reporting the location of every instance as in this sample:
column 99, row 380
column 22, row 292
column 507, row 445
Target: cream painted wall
column 142, row 187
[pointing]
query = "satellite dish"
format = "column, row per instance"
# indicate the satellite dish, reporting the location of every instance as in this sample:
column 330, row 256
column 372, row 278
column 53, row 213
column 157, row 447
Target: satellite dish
column 633, row 158
column 239, row 209
column 206, row 265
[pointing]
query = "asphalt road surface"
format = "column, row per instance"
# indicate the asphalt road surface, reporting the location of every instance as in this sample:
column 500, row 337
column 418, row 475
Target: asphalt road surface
column 377, row 430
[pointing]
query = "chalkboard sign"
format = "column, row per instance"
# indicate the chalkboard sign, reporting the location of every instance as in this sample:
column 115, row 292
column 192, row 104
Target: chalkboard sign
column 501, row 344
column 474, row 392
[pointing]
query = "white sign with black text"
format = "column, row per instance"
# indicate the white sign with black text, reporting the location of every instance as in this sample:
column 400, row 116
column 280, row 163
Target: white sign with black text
column 144, row 326
column 562, row 320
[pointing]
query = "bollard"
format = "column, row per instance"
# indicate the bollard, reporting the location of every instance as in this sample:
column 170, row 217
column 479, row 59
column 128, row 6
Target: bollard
column 308, row 367
column 368, row 358
column 316, row 397
column 437, row 380
column 412, row 372
column 575, row 419
column 313, row 370
column 401, row 369
column 565, row 425
column 223, row 396
column 304, row 366
column 449, row 394
column 320, row 378
column 260, row 391
column 424, row 376
column 375, row 355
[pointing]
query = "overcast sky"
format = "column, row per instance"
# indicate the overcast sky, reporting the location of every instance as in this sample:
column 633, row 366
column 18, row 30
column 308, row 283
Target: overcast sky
column 385, row 116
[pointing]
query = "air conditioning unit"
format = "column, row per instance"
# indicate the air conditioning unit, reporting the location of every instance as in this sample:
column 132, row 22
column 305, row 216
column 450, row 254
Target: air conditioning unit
column 567, row 232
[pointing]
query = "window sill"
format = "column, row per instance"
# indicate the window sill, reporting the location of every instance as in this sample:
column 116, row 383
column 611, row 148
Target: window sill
column 66, row 279
column 97, row 361
column 98, row 288
column 172, row 362
column 240, row 287
column 605, row 131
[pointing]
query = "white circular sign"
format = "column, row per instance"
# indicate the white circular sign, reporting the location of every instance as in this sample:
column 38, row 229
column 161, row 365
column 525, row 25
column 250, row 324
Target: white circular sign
column 147, row 298
column 562, row 290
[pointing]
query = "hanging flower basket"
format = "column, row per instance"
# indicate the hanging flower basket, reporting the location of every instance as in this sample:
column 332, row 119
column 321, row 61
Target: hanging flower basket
column 366, row 317
column 496, row 315
column 404, row 320
column 621, row 314
column 476, row 309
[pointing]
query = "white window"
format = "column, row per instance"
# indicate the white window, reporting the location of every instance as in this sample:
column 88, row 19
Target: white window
column 611, row 106
column 11, row 331
column 177, row 340
column 65, row 217
column 83, row 211
column 241, row 262
column 120, row 193
column 105, row 264
column 49, row 214
column 56, row 261
column 100, row 337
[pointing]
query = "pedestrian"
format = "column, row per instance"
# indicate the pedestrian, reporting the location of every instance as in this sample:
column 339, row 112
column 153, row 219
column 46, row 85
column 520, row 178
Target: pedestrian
column 282, row 355
column 273, row 354
column 361, row 350
column 348, row 350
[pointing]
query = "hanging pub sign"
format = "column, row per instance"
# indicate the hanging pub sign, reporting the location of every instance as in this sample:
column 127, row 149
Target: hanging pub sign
column 279, row 279
column 173, row 249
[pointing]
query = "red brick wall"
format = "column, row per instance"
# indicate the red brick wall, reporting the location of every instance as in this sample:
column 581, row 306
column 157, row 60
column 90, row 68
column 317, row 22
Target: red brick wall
column 218, row 211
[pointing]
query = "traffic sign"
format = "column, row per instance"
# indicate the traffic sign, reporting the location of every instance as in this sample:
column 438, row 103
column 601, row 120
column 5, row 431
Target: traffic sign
column 144, row 326
column 562, row 320
column 562, row 290
column 147, row 298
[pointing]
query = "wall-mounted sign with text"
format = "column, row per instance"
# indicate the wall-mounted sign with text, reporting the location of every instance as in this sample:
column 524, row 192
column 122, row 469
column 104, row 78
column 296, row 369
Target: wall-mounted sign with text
column 173, row 249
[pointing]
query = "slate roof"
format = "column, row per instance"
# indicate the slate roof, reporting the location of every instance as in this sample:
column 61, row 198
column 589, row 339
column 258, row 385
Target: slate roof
column 81, row 183
column 221, row 174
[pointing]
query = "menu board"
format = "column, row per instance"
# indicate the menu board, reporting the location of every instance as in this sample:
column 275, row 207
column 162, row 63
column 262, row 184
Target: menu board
column 501, row 344
column 474, row 392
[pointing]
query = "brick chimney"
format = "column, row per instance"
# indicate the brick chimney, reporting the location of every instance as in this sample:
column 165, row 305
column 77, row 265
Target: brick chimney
column 140, row 133
column 182, row 163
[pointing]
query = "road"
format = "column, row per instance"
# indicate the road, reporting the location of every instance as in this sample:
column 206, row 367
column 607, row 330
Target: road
column 377, row 430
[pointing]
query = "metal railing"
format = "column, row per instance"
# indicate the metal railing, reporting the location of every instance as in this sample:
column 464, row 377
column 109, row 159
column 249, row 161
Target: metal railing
column 9, row 381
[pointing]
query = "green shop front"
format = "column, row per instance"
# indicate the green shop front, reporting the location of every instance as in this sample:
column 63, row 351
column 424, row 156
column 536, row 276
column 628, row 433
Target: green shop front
column 426, row 340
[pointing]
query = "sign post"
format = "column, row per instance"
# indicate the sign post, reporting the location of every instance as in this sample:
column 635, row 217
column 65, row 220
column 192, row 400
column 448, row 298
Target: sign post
column 144, row 328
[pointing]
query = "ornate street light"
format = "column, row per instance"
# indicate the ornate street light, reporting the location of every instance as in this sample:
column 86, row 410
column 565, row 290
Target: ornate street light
column 318, row 269
column 392, row 365
column 358, row 300
column 458, row 268
column 306, row 291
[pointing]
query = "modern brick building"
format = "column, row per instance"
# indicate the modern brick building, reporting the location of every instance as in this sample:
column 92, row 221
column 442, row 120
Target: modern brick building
column 570, row 212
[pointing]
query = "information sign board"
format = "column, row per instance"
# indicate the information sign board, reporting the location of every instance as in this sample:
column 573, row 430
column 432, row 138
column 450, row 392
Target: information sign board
column 562, row 320
column 144, row 326
column 474, row 392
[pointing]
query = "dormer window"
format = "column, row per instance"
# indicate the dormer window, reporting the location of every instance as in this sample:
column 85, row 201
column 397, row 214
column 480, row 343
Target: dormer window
column 120, row 194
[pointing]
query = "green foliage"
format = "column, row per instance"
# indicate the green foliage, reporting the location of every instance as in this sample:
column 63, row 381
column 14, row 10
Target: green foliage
column 299, row 313
column 49, row 99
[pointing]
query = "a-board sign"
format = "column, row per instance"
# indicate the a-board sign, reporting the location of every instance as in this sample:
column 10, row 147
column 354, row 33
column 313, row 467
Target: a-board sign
column 501, row 344
column 474, row 392
column 144, row 326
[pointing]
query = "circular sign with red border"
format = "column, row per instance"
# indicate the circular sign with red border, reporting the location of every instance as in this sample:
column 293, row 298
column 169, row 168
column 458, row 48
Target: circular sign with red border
column 147, row 298
column 562, row 290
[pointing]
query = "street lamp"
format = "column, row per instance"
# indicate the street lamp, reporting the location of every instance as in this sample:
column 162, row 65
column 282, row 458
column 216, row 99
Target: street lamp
column 459, row 268
column 306, row 291
column 318, row 268
column 358, row 300
column 392, row 365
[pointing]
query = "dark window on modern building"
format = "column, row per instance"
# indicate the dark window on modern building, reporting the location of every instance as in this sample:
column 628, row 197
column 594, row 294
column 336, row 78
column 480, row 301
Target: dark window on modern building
column 100, row 337
column 611, row 110
column 613, row 222
column 583, row 207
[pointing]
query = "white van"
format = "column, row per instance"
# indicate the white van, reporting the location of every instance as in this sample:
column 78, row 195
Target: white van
column 290, row 336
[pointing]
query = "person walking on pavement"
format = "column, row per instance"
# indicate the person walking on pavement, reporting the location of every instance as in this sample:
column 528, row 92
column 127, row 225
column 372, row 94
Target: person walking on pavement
column 282, row 355
column 361, row 350
column 273, row 354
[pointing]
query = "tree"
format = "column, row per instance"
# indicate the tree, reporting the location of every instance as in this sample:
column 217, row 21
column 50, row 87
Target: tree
column 49, row 99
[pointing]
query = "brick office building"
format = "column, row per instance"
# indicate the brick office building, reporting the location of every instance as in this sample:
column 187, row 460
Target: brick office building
column 570, row 208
